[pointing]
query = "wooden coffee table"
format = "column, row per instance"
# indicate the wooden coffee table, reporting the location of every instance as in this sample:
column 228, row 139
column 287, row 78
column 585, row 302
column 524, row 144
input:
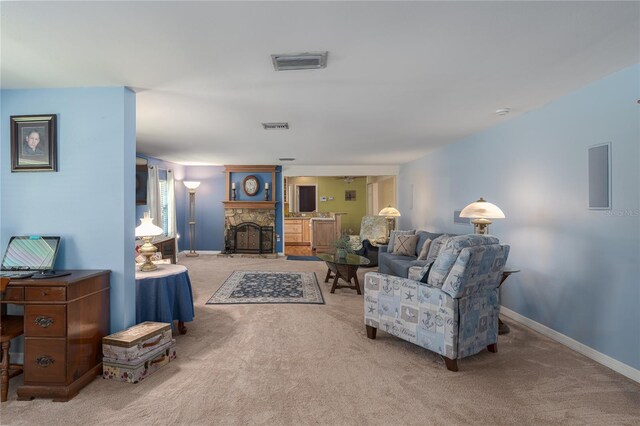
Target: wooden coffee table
column 345, row 268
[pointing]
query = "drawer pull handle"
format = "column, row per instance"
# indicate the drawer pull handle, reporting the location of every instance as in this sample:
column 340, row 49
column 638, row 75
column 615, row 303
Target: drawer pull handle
column 44, row 361
column 155, row 342
column 44, row 293
column 44, row 322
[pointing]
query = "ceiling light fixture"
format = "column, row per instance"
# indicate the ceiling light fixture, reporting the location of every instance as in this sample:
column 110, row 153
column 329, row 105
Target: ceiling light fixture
column 287, row 159
column 300, row 61
column 503, row 111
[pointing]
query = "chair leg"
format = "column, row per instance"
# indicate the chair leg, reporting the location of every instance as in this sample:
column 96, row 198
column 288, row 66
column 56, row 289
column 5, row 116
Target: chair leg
column 493, row 347
column 371, row 332
column 452, row 364
column 5, row 371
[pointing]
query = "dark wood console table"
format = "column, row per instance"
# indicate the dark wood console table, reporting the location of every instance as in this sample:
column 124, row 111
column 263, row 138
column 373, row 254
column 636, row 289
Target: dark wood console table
column 65, row 319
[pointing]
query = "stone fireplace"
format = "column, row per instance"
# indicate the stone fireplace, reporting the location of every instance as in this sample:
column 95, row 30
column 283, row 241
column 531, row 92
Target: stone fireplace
column 249, row 230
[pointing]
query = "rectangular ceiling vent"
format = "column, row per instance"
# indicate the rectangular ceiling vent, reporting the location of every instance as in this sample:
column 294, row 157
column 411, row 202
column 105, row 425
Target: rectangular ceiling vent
column 275, row 126
column 300, row 61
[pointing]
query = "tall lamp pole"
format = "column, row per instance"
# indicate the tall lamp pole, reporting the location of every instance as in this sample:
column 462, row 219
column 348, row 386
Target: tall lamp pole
column 192, row 185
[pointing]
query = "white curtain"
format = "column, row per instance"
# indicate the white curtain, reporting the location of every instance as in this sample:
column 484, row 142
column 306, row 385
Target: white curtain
column 153, row 196
column 171, row 205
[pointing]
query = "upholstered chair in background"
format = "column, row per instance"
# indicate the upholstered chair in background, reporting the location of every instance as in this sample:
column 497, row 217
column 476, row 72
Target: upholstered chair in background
column 374, row 231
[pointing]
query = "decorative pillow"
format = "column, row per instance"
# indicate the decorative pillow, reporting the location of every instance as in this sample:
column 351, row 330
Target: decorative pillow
column 436, row 246
column 425, row 250
column 392, row 239
column 405, row 245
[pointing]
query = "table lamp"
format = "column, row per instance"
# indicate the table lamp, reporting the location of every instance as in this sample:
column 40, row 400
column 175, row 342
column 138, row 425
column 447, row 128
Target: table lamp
column 481, row 212
column 390, row 213
column 147, row 230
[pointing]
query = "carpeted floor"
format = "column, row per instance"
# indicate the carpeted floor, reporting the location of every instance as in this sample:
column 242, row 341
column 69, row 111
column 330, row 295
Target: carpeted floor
column 313, row 364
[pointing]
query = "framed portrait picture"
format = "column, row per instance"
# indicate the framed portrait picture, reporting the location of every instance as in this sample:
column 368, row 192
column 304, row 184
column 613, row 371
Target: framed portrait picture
column 34, row 143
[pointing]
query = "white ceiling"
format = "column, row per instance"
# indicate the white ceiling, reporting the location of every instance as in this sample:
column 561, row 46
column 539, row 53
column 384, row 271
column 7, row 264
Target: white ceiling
column 402, row 78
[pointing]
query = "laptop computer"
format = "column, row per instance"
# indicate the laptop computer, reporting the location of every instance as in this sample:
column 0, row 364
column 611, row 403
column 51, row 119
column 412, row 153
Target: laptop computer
column 27, row 255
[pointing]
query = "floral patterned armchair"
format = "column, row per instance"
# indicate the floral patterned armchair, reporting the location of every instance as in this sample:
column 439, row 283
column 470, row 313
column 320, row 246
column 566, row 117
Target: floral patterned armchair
column 455, row 313
column 374, row 231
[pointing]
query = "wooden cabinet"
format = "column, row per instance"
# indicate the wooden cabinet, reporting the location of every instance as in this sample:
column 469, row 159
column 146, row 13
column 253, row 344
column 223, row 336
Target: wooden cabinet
column 65, row 320
column 323, row 235
column 297, row 232
column 292, row 231
column 167, row 246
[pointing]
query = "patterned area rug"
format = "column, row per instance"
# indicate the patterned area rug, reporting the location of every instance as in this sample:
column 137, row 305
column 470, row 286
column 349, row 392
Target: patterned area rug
column 268, row 287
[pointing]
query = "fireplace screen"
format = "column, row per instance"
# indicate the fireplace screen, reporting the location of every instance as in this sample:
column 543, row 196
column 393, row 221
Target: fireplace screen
column 250, row 238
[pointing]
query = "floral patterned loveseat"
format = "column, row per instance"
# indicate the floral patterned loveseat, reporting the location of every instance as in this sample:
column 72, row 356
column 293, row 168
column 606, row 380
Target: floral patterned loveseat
column 453, row 313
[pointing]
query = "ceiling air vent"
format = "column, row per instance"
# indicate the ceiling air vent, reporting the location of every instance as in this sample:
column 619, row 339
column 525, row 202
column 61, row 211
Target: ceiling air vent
column 300, row 61
column 287, row 159
column 275, row 126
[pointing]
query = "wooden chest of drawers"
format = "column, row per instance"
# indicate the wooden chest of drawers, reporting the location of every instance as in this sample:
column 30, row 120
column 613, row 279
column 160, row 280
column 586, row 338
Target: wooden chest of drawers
column 65, row 320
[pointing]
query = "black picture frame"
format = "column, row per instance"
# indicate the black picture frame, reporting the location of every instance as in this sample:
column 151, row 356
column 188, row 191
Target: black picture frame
column 34, row 143
column 142, row 175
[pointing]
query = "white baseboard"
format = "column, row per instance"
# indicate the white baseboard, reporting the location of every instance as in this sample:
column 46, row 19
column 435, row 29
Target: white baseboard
column 606, row 360
column 184, row 252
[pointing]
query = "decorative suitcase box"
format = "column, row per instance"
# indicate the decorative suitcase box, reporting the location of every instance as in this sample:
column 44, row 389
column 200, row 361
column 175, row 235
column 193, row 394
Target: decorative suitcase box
column 137, row 370
column 134, row 342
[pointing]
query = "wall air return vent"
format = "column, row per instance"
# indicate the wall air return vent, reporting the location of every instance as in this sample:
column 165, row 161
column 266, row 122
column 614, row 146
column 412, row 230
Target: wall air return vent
column 275, row 126
column 300, row 61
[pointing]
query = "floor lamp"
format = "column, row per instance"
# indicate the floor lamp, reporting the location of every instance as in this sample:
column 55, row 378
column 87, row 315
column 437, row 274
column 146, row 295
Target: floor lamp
column 192, row 185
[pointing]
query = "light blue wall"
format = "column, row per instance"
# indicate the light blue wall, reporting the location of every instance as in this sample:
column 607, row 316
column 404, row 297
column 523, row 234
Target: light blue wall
column 580, row 268
column 90, row 201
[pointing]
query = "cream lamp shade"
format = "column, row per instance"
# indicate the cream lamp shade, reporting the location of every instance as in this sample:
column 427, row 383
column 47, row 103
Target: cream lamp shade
column 481, row 212
column 147, row 230
column 191, row 184
column 389, row 212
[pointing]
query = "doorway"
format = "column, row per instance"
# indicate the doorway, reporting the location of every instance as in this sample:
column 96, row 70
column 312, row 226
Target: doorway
column 306, row 198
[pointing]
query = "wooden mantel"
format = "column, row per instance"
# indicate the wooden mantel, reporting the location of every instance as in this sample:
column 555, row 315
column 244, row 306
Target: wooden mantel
column 268, row 205
column 228, row 169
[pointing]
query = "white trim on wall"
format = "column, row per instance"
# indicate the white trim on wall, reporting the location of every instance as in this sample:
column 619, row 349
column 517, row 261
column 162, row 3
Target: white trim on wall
column 355, row 170
column 599, row 357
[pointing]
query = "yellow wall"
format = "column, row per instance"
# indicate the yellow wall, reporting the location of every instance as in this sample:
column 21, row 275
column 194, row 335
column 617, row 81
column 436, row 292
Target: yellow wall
column 335, row 187
column 386, row 193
